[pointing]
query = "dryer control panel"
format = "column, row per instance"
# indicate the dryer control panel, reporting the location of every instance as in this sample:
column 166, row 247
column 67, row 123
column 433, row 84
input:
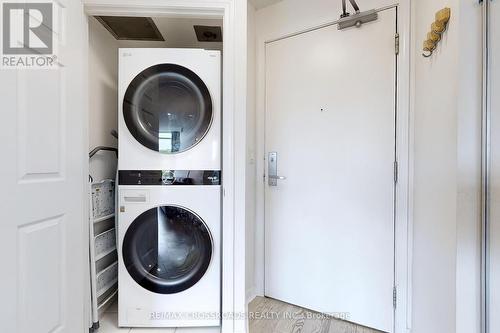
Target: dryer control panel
column 169, row 177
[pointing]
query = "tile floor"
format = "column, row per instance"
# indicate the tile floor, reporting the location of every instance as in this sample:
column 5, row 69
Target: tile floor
column 109, row 324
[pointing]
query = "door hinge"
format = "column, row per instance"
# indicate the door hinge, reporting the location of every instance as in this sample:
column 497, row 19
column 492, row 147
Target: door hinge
column 264, row 174
column 396, row 43
column 394, row 297
column 395, row 172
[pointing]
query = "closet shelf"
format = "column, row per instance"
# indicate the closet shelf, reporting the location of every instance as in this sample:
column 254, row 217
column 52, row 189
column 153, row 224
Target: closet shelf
column 106, row 287
column 104, row 218
column 107, row 278
column 102, row 247
column 104, row 254
column 104, row 244
column 105, row 302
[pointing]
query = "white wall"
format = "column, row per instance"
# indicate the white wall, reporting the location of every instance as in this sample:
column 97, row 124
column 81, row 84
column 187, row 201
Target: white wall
column 250, row 157
column 494, row 298
column 446, row 128
column 435, row 175
column 447, row 120
column 468, row 286
column 103, row 103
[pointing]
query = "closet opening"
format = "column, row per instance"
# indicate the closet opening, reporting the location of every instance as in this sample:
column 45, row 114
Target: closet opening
column 176, row 39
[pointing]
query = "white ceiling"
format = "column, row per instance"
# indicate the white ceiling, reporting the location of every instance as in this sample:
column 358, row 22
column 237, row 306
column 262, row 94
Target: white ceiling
column 178, row 32
column 258, row 4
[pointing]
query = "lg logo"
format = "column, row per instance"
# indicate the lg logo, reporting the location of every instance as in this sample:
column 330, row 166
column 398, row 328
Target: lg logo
column 27, row 28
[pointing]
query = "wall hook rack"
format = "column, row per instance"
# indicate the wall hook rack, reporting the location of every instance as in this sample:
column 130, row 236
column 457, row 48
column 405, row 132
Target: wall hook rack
column 438, row 27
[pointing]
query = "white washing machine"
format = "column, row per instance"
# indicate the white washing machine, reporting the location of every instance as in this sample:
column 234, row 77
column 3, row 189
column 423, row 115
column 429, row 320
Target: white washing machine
column 169, row 109
column 169, row 245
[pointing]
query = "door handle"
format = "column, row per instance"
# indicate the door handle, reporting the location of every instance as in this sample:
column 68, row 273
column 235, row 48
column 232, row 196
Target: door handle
column 272, row 169
column 277, row 177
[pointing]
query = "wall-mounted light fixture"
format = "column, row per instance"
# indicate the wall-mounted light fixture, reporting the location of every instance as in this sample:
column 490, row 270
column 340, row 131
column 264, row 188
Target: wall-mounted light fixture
column 437, row 29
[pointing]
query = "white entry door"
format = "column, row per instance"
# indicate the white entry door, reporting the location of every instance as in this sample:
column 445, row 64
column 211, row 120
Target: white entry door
column 330, row 119
column 43, row 167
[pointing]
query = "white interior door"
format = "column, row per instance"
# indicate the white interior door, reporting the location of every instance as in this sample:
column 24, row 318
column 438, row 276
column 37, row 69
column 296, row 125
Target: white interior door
column 43, row 204
column 330, row 117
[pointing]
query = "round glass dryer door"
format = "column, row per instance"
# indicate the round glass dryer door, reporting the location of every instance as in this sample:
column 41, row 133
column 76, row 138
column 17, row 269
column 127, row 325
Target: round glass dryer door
column 167, row 249
column 167, row 108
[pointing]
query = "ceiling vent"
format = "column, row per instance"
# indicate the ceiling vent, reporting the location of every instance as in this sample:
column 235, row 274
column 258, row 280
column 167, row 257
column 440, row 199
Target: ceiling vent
column 208, row 34
column 131, row 28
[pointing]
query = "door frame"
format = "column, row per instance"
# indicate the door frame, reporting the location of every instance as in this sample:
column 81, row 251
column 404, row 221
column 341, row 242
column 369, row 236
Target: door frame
column 234, row 15
column 404, row 155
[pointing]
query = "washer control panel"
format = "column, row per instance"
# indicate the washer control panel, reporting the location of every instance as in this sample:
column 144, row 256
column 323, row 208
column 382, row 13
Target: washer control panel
column 169, row 177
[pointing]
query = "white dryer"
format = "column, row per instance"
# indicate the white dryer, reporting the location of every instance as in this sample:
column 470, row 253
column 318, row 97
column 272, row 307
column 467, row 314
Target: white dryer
column 169, row 109
column 169, row 245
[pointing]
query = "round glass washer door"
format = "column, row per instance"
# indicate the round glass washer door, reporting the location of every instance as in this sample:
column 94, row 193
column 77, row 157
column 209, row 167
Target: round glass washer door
column 168, row 108
column 167, row 249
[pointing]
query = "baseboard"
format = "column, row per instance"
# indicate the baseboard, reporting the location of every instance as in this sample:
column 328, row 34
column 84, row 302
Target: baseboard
column 250, row 294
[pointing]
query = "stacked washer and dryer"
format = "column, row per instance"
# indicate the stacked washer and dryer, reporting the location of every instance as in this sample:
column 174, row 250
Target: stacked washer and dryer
column 169, row 193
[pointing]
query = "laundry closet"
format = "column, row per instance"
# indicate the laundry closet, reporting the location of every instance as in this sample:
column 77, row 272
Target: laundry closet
column 155, row 157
